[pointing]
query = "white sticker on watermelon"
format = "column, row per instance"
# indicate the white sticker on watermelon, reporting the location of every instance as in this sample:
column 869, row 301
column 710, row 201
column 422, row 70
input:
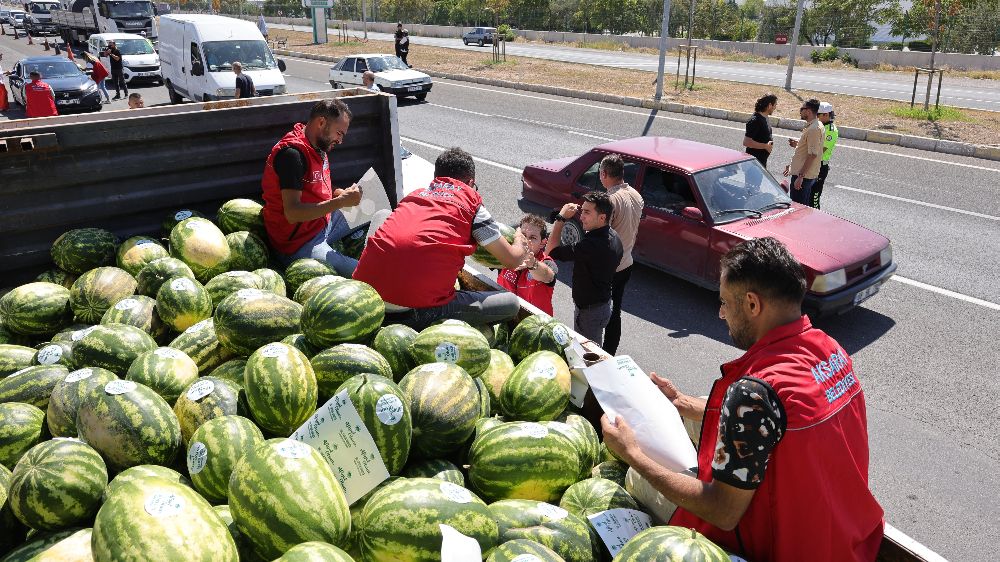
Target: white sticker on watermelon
column 79, row 375
column 526, row 558
column 446, row 352
column 434, row 367
column 453, row 322
column 249, row 293
column 143, row 242
column 50, row 354
column 389, row 409
column 126, row 304
column 535, row 430
column 543, row 372
column 168, row 353
column 164, row 504
column 80, row 334
column 182, row 284
column 200, row 389
column 117, row 387
column 197, row 457
column 181, row 215
column 292, row 449
column 74, row 439
column 456, row 493
column 275, row 349
column 199, row 326
column 561, row 335
column 617, row 526
column 195, row 225
column 553, row 512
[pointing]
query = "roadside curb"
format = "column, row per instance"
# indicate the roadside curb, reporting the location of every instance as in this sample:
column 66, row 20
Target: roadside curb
column 881, row 137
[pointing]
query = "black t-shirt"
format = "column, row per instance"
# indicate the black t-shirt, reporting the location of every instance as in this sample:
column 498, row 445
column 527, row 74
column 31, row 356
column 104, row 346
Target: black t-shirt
column 758, row 129
column 595, row 259
column 290, row 167
column 750, row 426
column 116, row 65
column 245, row 86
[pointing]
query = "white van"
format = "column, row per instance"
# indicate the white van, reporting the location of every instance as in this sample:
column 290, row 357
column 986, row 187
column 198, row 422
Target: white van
column 140, row 61
column 197, row 52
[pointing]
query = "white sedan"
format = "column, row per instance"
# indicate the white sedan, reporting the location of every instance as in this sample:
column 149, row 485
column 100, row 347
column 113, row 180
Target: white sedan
column 391, row 75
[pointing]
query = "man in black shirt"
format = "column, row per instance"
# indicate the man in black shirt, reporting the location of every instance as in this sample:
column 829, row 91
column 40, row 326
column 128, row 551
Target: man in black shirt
column 117, row 69
column 244, row 84
column 595, row 259
column 398, row 36
column 758, row 140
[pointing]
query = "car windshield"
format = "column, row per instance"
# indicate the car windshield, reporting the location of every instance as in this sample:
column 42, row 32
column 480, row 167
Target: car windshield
column 388, row 62
column 742, row 189
column 19, row 15
column 134, row 46
column 43, row 8
column 130, row 10
column 53, row 69
column 252, row 54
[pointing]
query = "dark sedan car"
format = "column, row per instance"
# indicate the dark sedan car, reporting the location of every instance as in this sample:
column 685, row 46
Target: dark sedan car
column 74, row 89
column 701, row 200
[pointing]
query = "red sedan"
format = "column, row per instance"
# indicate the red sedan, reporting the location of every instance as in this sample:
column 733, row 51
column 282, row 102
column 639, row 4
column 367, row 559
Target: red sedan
column 701, row 200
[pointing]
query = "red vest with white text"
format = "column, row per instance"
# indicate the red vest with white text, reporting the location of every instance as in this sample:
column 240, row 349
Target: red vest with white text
column 524, row 285
column 38, row 96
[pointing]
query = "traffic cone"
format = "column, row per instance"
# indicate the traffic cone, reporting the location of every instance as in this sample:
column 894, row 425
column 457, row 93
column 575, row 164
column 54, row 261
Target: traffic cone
column 69, row 53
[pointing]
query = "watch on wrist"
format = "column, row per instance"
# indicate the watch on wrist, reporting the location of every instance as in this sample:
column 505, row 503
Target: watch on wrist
column 560, row 218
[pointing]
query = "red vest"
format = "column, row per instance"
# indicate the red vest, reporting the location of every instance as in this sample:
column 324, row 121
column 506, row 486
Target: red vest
column 814, row 503
column 286, row 237
column 414, row 258
column 100, row 72
column 522, row 284
column 38, row 96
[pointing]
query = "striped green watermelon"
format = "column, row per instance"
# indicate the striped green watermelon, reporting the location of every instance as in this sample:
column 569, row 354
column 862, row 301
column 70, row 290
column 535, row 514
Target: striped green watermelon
column 299, row 342
column 201, row 343
column 302, row 270
column 500, row 369
column 113, row 347
column 435, row 468
column 489, row 331
column 538, row 333
column 502, row 339
column 537, row 390
column 523, row 550
column 22, row 426
column 71, row 545
column 58, row 484
column 314, row 551
column 523, row 460
column 166, row 370
column 607, row 454
column 484, row 257
column 444, row 405
column 308, row 505
column 453, row 341
column 281, row 388
column 252, row 318
column 402, row 520
column 242, row 543
column 587, row 440
column 136, row 252
column 202, row 246
column 129, row 424
column 353, row 543
column 159, row 271
column 241, row 214
column 138, row 311
column 36, row 309
column 76, row 387
column 182, row 302
column 565, row 533
column 14, row 358
column 228, row 283
column 12, row 531
column 393, row 343
column 32, row 385
column 232, row 370
column 341, row 362
column 205, row 399
column 10, row 338
column 611, row 470
column 344, row 312
column 272, row 281
column 594, row 495
column 97, row 290
column 485, row 424
column 140, row 473
column 384, row 410
column 57, row 276
column 157, row 519
column 213, row 451
column 667, row 544
column 83, row 249
column 171, row 220
column 485, row 403
column 312, row 286
column 249, row 252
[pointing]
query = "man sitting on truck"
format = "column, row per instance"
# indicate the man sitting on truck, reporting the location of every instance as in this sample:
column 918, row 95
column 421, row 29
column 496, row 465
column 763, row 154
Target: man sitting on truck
column 782, row 469
column 414, row 257
column 301, row 209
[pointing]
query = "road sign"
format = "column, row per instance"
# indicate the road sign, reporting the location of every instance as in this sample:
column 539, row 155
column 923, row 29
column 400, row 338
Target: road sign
column 317, row 3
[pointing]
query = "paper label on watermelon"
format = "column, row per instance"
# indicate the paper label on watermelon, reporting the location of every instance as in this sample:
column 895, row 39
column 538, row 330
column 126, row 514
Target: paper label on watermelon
column 535, row 430
column 80, row 334
column 164, row 504
column 553, row 512
column 182, row 284
column 434, row 367
column 181, row 215
column 73, row 439
column 617, row 526
column 200, row 389
column 446, row 352
column 197, row 457
column 456, row 547
column 249, row 293
column 50, row 354
column 167, row 353
column 456, row 493
column 339, row 434
column 543, row 372
column 274, row 350
column 144, row 242
column 389, row 409
column 117, row 387
column 561, row 335
column 126, row 304
column 292, row 449
column 79, row 375
column 206, row 323
column 195, row 226
column 526, row 558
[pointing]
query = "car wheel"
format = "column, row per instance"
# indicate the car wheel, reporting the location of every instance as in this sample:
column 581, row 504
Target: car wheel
column 480, row 43
column 572, row 233
column 465, row 42
column 421, row 97
column 174, row 96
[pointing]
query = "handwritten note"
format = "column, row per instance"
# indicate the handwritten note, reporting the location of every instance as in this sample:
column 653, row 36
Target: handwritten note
column 338, row 433
column 617, row 526
column 456, row 547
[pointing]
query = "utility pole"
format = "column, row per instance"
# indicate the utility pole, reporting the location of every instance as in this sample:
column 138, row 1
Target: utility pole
column 795, row 44
column 664, row 32
column 690, row 26
column 364, row 17
column 934, row 42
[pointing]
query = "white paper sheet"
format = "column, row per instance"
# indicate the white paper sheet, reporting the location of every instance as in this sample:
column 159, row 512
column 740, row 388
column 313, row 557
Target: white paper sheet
column 456, row 547
column 623, row 389
column 338, row 433
column 578, row 381
column 617, row 526
column 373, row 198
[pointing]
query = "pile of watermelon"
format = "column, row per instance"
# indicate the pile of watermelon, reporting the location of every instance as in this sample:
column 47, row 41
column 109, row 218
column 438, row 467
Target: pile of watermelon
column 148, row 389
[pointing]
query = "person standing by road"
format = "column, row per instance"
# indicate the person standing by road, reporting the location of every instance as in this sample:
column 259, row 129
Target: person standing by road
column 262, row 25
column 535, row 279
column 830, row 136
column 368, row 81
column 804, row 168
column 595, row 259
column 4, row 104
column 404, row 47
column 117, row 69
column 398, row 36
column 627, row 212
column 98, row 74
column 244, row 84
column 39, row 97
column 758, row 139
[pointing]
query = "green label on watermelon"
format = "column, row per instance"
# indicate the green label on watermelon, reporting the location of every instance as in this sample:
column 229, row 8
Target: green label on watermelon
column 181, row 215
column 291, row 449
column 446, row 352
column 274, row 350
column 200, row 389
column 49, row 355
column 117, row 387
column 389, row 409
column 536, row 430
column 182, row 284
column 126, row 304
column 164, row 504
column 197, row 457
column 79, row 375
column 561, row 335
column 553, row 512
column 456, row 493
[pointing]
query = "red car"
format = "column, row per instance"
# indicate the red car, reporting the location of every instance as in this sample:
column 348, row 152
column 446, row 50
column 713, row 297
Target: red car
column 701, row 200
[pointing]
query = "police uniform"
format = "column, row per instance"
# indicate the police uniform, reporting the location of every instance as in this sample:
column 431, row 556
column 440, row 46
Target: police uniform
column 830, row 136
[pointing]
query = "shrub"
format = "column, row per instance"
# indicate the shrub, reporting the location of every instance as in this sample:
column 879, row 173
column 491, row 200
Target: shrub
column 922, row 46
column 825, row 55
column 505, row 33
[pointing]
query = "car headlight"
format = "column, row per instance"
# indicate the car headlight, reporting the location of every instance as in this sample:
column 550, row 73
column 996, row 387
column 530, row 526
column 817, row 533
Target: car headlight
column 88, row 88
column 885, row 256
column 426, row 80
column 226, row 92
column 829, row 281
column 279, row 89
column 395, row 84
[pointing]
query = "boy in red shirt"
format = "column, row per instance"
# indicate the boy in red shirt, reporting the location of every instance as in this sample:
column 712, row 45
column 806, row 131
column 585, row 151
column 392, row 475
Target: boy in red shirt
column 534, row 282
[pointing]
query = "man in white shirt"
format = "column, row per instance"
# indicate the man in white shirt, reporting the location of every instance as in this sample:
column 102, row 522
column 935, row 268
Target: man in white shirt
column 625, row 219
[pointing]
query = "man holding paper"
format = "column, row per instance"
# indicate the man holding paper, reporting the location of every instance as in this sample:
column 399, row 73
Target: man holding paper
column 783, row 458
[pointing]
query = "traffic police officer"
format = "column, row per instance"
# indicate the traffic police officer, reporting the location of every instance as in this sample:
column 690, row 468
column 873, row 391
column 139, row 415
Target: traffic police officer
column 830, row 136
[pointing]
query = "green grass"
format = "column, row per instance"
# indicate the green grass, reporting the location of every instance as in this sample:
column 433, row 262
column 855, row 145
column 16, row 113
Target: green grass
column 490, row 63
column 932, row 114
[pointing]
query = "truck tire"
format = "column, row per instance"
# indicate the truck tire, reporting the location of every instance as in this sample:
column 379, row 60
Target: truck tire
column 480, row 43
column 175, row 98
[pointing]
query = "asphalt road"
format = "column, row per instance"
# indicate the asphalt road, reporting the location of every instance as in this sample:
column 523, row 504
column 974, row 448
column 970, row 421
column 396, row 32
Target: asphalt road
column 921, row 346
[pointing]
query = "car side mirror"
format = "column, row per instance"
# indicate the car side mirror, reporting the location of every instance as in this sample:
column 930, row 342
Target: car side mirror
column 281, row 65
column 197, row 69
column 693, row 213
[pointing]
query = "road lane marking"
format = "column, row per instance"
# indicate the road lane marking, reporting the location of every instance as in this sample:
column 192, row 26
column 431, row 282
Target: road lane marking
column 591, row 136
column 946, row 292
column 463, row 110
column 476, row 158
column 916, row 202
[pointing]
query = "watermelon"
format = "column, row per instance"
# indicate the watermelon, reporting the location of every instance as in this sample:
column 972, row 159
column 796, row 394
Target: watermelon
column 538, row 333
column 151, row 277
column 486, row 424
column 299, row 342
column 341, row 362
column 12, row 531
column 14, row 358
column 55, row 353
column 607, row 454
column 523, row 550
column 302, row 270
column 76, row 387
column 138, row 311
column 182, row 302
column 586, row 439
column 444, row 405
column 252, row 318
column 435, row 468
column 281, row 388
column 231, row 371
column 308, row 505
column 537, row 390
column 272, row 281
column 612, row 470
column 485, row 405
column 488, row 331
column 205, row 399
column 83, row 249
column 453, row 342
column 393, row 343
column 242, row 543
column 58, row 484
column 202, row 246
column 523, row 460
column 36, row 309
column 484, row 257
column 502, row 339
column 166, row 370
column 129, row 424
column 71, row 545
column 249, row 251
column 10, row 338
column 136, row 252
column 666, row 544
column 113, row 347
column 228, row 283
column 402, row 520
column 565, row 533
column 170, row 522
column 500, row 369
column 213, row 451
column 312, row 286
column 143, row 472
column 314, row 551
column 385, row 412
column 174, row 218
column 32, row 385
column 200, row 343
column 594, row 495
column 97, row 290
column 57, row 276
column 22, row 426
column 344, row 312
column 241, row 214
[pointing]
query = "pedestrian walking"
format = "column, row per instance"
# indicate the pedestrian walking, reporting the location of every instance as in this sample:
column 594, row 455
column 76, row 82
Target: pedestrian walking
column 262, row 25
column 117, row 69
column 595, row 259
column 98, row 73
column 804, row 168
column 627, row 207
column 758, row 139
column 39, row 98
column 398, row 36
column 404, row 47
column 244, row 84
column 830, row 136
column 4, row 105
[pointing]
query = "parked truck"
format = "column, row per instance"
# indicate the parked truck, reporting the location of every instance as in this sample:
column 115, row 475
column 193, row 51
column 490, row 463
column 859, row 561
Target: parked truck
column 76, row 20
column 38, row 20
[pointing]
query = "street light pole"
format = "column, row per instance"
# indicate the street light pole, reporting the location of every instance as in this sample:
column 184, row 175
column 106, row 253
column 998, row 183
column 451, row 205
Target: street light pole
column 934, row 42
column 664, row 32
column 795, row 44
column 364, row 17
column 690, row 26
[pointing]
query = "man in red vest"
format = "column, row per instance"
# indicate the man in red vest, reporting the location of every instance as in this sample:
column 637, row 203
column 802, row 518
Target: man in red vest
column 301, row 209
column 782, row 471
column 39, row 97
column 414, row 257
column 537, row 284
